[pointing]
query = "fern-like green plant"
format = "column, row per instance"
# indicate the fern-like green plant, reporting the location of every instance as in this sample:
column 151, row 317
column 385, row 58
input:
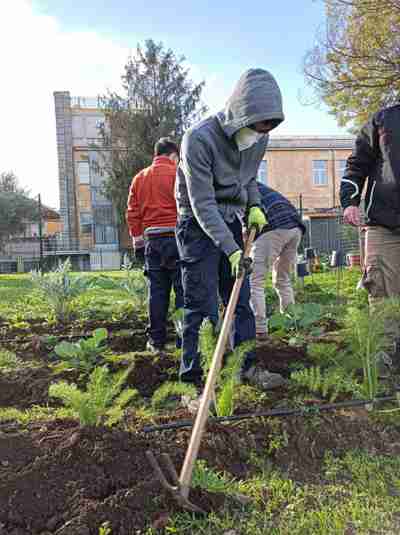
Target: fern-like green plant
column 103, row 401
column 230, row 378
column 83, row 355
column 329, row 383
column 368, row 332
column 207, row 344
column 58, row 288
column 172, row 390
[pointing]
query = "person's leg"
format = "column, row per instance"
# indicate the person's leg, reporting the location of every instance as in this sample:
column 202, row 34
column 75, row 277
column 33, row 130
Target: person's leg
column 159, row 291
column 261, row 255
column 382, row 264
column 284, row 266
column 199, row 261
column 174, row 273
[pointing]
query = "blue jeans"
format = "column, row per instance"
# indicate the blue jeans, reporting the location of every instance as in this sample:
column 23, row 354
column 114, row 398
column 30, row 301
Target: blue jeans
column 206, row 272
column 163, row 272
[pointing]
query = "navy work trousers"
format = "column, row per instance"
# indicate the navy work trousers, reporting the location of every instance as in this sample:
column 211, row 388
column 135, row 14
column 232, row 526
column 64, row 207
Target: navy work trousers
column 163, row 273
column 206, row 272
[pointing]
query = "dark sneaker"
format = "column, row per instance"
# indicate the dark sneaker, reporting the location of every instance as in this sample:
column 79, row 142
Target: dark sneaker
column 263, row 379
column 154, row 348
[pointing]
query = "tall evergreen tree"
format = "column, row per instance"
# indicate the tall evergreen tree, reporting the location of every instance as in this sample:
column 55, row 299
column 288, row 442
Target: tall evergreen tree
column 159, row 99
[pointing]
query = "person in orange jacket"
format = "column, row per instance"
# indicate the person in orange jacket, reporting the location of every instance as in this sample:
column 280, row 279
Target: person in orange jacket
column 151, row 217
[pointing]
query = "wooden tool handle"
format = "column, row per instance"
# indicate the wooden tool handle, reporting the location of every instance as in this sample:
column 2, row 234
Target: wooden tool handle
column 202, row 415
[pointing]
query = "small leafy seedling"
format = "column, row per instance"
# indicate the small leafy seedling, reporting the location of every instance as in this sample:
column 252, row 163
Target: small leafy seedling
column 83, row 355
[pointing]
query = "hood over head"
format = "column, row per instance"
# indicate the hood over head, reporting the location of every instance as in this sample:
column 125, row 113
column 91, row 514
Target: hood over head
column 256, row 97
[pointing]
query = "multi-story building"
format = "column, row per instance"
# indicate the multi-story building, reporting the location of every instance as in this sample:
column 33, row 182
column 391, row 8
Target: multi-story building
column 89, row 223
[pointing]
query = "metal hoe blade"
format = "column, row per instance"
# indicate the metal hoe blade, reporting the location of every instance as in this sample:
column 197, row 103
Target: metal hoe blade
column 174, row 488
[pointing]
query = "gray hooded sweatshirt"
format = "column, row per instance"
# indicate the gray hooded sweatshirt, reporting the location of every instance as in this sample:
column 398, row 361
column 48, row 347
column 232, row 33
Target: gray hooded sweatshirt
column 215, row 182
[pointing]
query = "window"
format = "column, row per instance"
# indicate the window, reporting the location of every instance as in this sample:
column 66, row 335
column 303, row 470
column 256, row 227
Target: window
column 320, row 172
column 341, row 166
column 86, row 221
column 262, row 172
column 105, row 234
column 84, row 172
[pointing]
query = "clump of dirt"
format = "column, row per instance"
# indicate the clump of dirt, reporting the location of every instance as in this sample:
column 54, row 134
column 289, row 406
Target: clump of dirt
column 76, row 479
column 150, row 371
column 279, row 357
column 24, row 387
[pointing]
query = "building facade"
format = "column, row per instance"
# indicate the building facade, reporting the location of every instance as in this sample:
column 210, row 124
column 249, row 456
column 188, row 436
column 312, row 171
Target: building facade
column 310, row 167
column 89, row 222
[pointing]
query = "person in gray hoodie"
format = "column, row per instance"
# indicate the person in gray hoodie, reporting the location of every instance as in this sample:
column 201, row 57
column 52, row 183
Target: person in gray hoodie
column 216, row 190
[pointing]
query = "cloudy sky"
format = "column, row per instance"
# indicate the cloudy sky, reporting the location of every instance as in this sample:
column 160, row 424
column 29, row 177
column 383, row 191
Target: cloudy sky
column 82, row 45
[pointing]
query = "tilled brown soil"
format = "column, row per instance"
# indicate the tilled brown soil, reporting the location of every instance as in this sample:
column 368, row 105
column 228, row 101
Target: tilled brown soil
column 58, row 479
column 277, row 356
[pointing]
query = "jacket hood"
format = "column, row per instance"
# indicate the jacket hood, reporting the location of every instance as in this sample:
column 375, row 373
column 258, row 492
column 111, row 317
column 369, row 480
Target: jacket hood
column 256, row 97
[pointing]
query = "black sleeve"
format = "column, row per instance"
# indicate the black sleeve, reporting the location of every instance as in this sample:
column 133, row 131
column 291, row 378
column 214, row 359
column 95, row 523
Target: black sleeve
column 359, row 164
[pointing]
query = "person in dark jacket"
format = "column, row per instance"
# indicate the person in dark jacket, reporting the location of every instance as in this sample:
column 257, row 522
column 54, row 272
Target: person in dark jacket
column 275, row 248
column 215, row 188
column 376, row 161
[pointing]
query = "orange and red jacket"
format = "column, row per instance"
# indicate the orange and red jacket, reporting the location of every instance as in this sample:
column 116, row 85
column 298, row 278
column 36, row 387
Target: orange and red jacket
column 151, row 200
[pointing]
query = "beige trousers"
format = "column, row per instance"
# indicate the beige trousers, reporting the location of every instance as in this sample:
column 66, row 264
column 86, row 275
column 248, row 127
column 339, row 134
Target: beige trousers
column 382, row 264
column 276, row 249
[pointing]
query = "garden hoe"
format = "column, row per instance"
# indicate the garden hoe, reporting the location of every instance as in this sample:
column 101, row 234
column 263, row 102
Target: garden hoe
column 179, row 487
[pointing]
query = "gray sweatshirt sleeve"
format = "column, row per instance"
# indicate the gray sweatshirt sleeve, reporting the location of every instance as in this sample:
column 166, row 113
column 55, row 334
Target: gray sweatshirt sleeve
column 196, row 164
column 253, row 193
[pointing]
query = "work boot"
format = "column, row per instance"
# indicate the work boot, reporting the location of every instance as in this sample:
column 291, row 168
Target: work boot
column 263, row 379
column 154, row 348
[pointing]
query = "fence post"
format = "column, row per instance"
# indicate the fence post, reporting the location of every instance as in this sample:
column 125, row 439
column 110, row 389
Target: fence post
column 40, row 232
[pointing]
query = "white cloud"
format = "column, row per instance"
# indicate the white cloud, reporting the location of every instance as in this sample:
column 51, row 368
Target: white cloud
column 37, row 59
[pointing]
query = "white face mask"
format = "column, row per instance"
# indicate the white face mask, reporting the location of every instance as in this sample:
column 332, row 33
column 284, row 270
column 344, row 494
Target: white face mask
column 246, row 137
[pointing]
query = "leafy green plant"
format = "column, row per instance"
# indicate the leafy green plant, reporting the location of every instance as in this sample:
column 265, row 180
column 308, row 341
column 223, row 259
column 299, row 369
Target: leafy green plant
column 103, row 401
column 9, row 360
column 208, row 479
column 229, row 377
column 365, row 333
column 82, row 355
column 172, row 390
column 329, row 384
column 323, row 354
column 105, row 529
column 58, row 288
column 296, row 319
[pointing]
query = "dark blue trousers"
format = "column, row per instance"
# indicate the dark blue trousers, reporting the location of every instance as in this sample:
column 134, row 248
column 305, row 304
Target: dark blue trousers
column 163, row 273
column 206, row 272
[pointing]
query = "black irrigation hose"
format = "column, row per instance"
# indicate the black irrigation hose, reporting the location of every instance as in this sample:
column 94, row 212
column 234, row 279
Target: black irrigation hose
column 304, row 411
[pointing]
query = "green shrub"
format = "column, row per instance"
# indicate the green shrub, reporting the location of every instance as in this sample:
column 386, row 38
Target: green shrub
column 102, row 402
column 323, row 354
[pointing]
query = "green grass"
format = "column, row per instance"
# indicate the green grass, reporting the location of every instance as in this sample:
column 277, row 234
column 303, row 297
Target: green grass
column 358, row 495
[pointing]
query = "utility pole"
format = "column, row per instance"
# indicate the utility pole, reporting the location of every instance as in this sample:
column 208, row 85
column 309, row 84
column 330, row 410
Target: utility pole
column 40, row 232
